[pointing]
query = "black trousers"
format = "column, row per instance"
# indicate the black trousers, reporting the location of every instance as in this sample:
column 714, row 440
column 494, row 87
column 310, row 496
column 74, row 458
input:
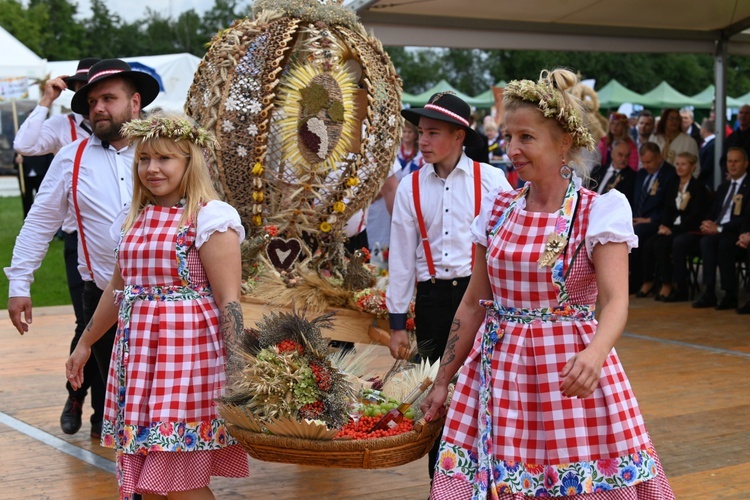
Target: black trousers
column 435, row 307
column 721, row 250
column 683, row 245
column 102, row 348
column 91, row 377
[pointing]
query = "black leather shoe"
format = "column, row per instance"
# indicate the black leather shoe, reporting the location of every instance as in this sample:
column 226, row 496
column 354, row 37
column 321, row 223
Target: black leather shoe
column 744, row 309
column 70, row 420
column 676, row 296
column 726, row 304
column 96, row 430
column 705, row 301
column 640, row 294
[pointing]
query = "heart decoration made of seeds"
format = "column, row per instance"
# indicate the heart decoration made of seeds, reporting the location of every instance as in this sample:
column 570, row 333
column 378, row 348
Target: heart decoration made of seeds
column 283, row 253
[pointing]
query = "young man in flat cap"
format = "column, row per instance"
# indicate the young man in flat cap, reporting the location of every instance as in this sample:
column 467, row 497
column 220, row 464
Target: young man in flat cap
column 91, row 179
column 430, row 235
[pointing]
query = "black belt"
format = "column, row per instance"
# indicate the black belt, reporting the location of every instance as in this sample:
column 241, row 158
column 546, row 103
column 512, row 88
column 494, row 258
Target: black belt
column 445, row 283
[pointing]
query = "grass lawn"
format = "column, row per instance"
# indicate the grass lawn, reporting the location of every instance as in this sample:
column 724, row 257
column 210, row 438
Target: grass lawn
column 50, row 287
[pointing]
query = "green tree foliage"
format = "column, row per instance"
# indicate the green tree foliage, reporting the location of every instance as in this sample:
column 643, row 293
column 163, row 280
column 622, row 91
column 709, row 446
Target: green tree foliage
column 28, row 25
column 64, row 40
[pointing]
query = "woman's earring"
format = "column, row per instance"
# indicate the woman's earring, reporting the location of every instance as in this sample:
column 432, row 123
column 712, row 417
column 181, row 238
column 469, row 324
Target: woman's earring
column 565, row 171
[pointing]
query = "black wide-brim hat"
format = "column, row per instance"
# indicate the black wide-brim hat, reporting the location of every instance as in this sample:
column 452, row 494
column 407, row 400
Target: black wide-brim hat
column 145, row 84
column 449, row 108
column 82, row 72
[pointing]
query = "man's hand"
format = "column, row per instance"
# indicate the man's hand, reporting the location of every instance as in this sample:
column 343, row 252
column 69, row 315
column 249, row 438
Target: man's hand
column 641, row 220
column 400, row 346
column 709, row 227
column 52, row 90
column 744, row 240
column 19, row 309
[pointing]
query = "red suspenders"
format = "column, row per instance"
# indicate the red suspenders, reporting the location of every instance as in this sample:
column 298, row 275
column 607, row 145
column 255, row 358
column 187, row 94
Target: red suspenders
column 73, row 134
column 420, row 218
column 76, row 168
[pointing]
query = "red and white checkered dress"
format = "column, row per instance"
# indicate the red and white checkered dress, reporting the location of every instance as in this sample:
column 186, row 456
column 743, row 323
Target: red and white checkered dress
column 167, row 366
column 542, row 443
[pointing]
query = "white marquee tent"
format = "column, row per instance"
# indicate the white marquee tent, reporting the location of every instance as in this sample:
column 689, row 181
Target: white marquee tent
column 17, row 60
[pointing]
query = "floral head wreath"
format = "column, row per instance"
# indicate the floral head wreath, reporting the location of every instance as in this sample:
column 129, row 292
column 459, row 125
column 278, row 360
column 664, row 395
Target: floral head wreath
column 169, row 127
column 552, row 102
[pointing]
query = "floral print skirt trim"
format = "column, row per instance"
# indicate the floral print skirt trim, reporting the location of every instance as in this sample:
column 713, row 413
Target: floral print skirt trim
column 166, row 436
column 553, row 479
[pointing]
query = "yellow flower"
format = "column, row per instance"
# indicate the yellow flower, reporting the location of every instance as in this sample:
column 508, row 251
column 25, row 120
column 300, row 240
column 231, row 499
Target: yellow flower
column 257, row 169
column 258, row 196
column 325, row 227
column 352, row 181
column 258, row 220
column 339, row 206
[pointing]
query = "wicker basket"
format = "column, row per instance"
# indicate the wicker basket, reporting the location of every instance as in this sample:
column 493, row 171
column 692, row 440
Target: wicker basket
column 376, row 453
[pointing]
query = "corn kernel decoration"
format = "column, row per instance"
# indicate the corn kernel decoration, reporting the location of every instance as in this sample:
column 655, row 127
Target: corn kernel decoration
column 305, row 105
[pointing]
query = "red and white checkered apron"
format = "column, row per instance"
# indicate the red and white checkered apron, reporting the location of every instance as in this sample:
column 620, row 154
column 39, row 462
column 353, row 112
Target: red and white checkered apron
column 542, row 443
column 167, row 366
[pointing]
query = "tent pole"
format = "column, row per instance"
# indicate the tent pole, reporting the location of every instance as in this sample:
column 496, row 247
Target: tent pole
column 15, row 131
column 720, row 74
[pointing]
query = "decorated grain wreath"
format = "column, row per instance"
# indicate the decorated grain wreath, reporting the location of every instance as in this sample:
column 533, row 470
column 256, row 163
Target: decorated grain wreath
column 305, row 105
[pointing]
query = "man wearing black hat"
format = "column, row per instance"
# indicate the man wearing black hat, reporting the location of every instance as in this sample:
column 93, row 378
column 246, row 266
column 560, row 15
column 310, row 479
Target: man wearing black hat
column 91, row 179
column 430, row 235
column 39, row 136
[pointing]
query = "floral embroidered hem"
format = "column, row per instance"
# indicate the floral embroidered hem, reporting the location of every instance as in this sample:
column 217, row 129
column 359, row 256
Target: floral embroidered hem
column 551, row 479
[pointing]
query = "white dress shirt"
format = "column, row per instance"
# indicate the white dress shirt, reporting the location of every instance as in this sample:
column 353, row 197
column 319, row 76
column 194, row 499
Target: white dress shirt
column 608, row 176
column 448, row 210
column 39, row 135
column 105, row 187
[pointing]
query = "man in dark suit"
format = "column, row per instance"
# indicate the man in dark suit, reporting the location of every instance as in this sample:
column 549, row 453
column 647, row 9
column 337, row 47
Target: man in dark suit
column 648, row 204
column 618, row 175
column 689, row 126
column 721, row 233
column 706, row 152
column 738, row 138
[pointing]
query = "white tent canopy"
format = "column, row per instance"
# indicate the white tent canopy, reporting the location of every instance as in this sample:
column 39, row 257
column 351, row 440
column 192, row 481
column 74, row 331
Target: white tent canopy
column 176, row 72
column 17, row 60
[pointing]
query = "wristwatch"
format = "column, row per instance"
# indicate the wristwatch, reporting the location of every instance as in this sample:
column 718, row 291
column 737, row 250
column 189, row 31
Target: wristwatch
column 719, row 229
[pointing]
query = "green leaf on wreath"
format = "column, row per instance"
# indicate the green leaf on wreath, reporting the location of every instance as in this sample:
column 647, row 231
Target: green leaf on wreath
column 336, row 111
column 314, row 98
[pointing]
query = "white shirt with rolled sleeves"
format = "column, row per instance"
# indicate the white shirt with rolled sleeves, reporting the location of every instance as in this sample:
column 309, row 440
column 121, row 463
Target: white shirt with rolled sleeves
column 448, row 210
column 105, row 187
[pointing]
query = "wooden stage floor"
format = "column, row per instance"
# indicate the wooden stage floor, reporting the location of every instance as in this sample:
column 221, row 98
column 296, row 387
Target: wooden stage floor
column 690, row 370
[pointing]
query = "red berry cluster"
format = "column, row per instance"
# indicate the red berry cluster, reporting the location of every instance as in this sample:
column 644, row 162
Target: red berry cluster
column 361, row 430
column 289, row 345
column 311, row 411
column 322, row 377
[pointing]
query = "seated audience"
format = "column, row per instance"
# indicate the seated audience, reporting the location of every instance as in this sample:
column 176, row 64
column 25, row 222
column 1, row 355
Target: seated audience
column 684, row 210
column 721, row 233
column 618, row 175
column 648, row 205
column 670, row 137
column 618, row 130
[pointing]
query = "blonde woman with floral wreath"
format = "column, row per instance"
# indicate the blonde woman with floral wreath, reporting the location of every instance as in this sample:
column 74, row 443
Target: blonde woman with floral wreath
column 177, row 282
column 542, row 407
